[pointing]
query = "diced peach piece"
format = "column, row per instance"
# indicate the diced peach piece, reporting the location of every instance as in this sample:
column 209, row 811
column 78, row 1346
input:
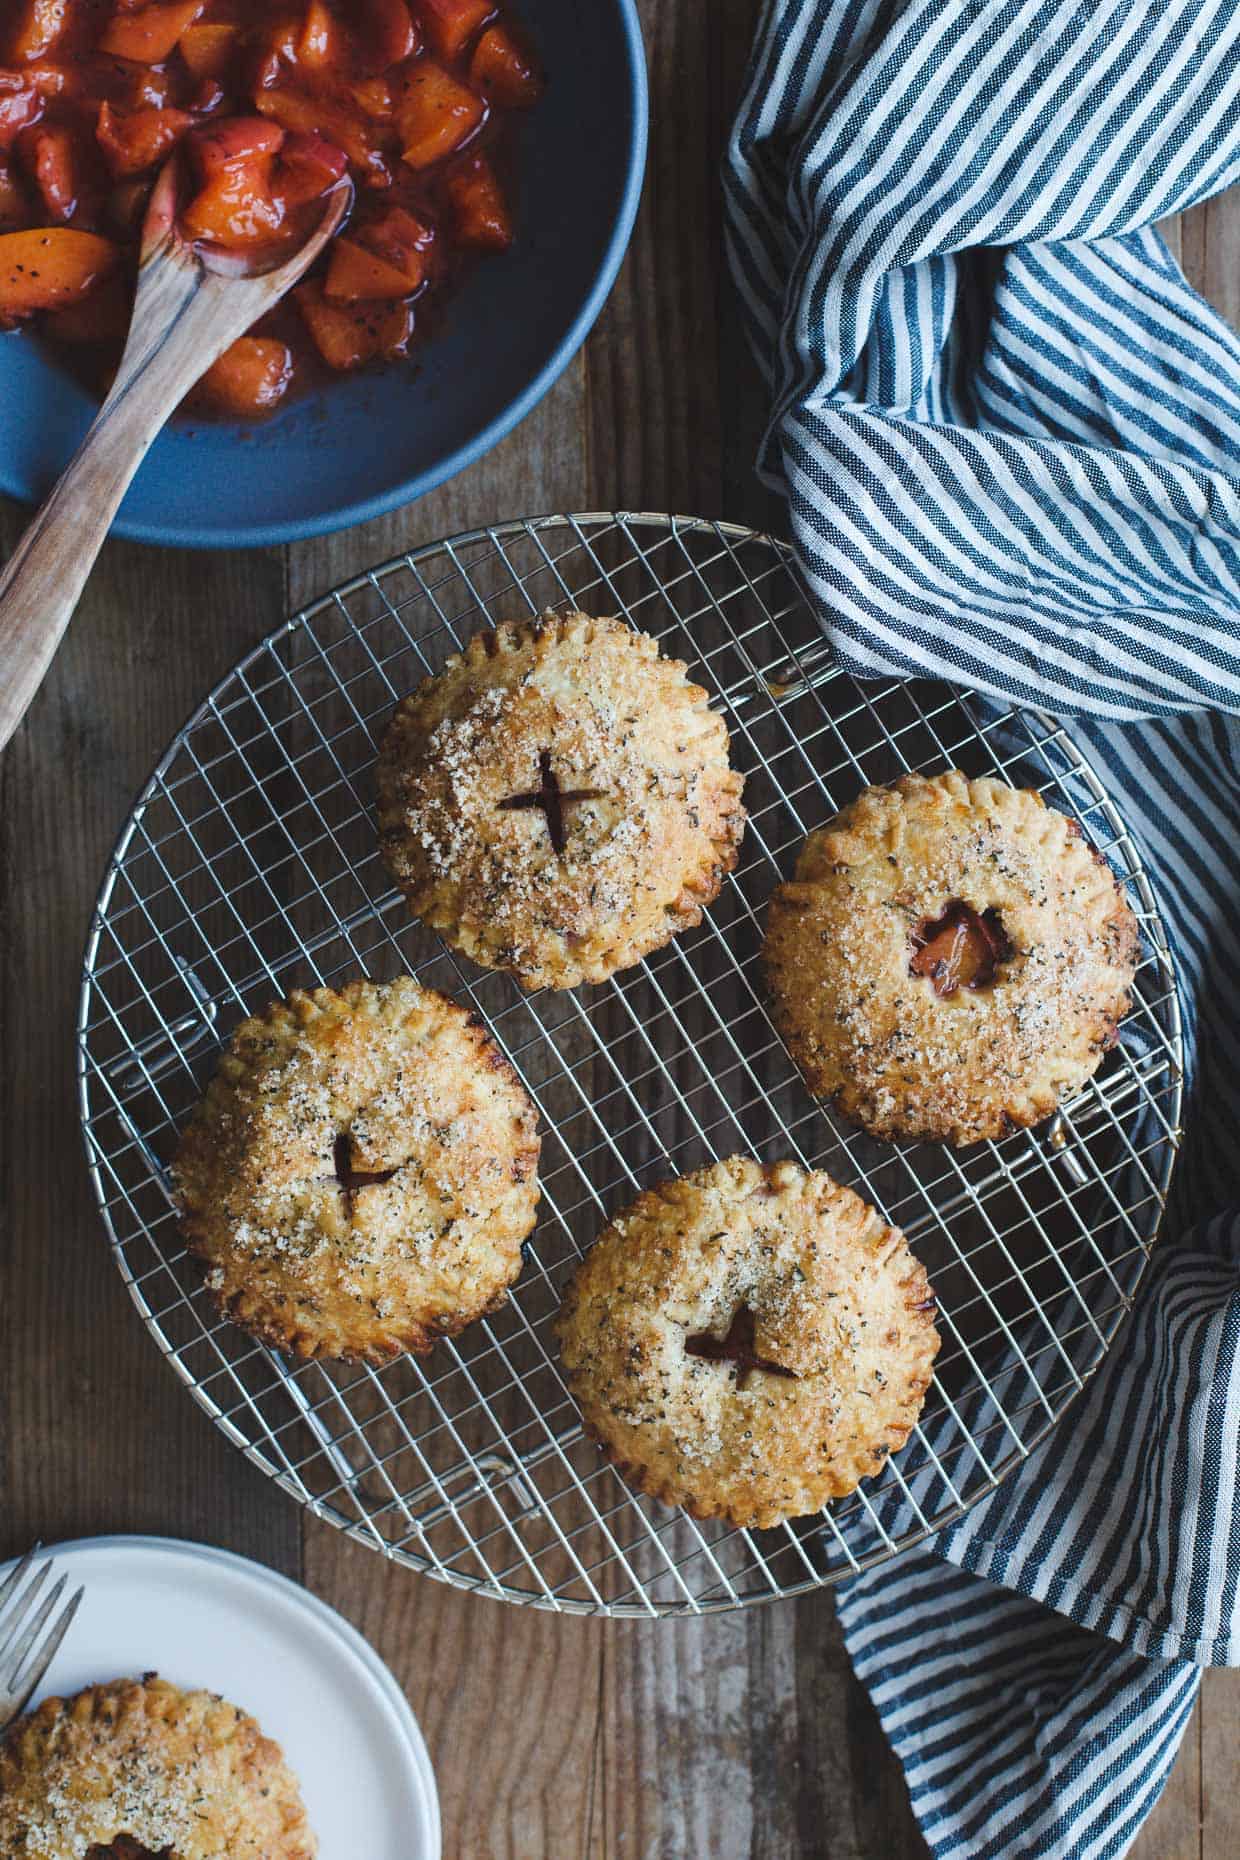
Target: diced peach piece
column 152, row 33
column 21, row 106
column 356, row 274
column 208, row 97
column 502, row 72
column 403, row 239
column 51, row 154
column 236, row 141
column 235, row 206
column 276, row 50
column 373, row 96
column 251, row 377
column 451, row 24
column 134, row 143
column 309, row 165
column 235, row 209
column 347, row 335
column 386, row 34
column 320, row 46
column 294, row 109
column 479, row 211
column 207, row 49
column 39, row 26
column 47, row 266
column 152, row 90
column 436, row 114
column 126, row 85
column 100, row 317
column 384, row 258
column 13, row 206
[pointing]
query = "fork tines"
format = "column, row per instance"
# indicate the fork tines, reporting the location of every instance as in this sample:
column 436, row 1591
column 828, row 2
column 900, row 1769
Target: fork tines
column 28, row 1644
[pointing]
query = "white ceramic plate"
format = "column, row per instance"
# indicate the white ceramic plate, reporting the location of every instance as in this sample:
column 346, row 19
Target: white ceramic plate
column 203, row 1617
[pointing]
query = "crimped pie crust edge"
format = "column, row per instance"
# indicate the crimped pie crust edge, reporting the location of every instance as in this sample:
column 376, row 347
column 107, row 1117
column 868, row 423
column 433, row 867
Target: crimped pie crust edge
column 847, row 886
column 277, row 1313
column 669, row 1225
column 711, row 843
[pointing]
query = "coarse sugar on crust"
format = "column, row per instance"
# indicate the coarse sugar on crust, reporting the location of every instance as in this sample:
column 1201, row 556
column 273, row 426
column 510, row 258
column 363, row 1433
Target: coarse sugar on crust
column 749, row 1342
column 557, row 801
column 361, row 1172
column 138, row 1764
column 911, row 1054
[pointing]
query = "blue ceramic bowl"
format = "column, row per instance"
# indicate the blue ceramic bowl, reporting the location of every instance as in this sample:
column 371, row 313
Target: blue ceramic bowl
column 369, row 443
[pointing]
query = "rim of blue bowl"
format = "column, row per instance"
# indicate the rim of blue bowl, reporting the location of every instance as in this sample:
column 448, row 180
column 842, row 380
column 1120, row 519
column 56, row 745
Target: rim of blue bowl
column 265, row 535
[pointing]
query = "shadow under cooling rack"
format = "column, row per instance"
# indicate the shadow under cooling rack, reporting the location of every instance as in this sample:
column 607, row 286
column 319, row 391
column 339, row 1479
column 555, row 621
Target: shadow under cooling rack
column 249, row 866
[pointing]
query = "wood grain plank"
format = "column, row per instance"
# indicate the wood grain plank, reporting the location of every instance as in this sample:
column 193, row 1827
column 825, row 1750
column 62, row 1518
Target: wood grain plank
column 1219, row 1716
column 745, row 1735
column 95, row 1433
column 659, row 403
column 843, row 1754
column 1173, row 1830
column 677, row 1772
column 1210, row 252
column 1170, row 230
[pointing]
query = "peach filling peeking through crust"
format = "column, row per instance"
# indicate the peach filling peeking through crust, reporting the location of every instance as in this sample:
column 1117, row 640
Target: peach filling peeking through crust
column 961, row 949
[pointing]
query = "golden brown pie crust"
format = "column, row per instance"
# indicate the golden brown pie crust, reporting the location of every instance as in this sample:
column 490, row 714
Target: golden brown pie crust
column 840, row 1322
column 880, row 1041
column 361, row 1172
column 557, row 802
column 174, row 1771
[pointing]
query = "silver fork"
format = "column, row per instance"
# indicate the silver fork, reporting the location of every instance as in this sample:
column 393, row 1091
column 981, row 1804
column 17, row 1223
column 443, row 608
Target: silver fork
column 27, row 1644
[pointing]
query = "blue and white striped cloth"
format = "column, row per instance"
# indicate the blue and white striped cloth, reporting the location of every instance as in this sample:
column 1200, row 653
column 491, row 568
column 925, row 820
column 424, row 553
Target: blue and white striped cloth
column 1009, row 436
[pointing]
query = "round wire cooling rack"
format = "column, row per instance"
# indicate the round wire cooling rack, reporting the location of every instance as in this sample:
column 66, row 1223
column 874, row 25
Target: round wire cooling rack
column 249, row 865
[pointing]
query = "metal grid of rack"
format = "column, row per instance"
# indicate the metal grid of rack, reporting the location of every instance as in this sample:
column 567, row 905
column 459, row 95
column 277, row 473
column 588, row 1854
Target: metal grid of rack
column 249, row 866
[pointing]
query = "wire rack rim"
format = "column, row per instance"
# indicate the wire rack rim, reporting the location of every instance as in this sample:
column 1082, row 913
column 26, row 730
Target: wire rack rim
column 670, row 527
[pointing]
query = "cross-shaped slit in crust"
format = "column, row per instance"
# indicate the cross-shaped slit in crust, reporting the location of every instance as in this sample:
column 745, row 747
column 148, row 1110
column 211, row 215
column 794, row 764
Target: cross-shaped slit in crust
column 739, row 1347
column 347, row 1178
column 550, row 800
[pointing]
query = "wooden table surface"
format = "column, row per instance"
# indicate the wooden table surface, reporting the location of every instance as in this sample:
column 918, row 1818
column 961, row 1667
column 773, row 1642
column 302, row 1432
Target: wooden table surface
column 740, row 1735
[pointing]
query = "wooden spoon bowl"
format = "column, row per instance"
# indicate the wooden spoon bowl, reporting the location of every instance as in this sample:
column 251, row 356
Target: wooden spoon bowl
column 192, row 302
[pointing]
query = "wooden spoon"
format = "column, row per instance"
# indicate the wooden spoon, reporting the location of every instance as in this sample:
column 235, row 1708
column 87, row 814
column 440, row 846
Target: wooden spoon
column 191, row 303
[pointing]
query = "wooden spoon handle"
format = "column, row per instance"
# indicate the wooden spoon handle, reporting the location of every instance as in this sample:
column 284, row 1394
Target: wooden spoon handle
column 41, row 583
column 44, row 577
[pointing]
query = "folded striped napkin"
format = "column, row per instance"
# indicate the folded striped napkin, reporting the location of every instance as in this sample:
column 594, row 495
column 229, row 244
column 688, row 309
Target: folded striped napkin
column 1009, row 437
